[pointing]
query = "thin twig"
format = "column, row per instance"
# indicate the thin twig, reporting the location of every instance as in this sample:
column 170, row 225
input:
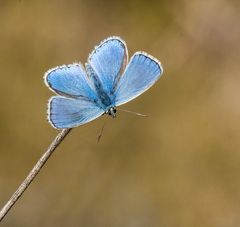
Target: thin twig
column 24, row 185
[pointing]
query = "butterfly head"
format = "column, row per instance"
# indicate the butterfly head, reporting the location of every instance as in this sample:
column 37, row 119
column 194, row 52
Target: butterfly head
column 112, row 112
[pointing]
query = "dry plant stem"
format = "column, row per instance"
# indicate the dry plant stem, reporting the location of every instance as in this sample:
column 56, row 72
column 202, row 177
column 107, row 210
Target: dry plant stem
column 24, row 185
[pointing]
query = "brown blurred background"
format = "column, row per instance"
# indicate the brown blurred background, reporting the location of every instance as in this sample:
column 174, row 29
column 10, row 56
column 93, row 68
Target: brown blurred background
column 178, row 168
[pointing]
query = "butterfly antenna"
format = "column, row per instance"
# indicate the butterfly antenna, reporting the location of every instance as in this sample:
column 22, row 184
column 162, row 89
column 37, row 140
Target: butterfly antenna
column 132, row 112
column 101, row 132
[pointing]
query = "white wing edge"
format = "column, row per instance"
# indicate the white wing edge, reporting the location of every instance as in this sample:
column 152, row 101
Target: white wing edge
column 151, row 57
column 48, row 113
column 106, row 40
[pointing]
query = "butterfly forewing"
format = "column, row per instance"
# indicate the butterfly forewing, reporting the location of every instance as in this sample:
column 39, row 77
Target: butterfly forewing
column 70, row 81
column 109, row 60
column 141, row 73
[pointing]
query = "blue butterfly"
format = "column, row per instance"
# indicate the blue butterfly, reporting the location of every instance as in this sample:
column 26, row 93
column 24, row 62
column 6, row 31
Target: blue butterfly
column 107, row 81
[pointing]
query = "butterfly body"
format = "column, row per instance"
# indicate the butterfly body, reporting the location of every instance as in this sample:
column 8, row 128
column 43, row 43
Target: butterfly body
column 107, row 81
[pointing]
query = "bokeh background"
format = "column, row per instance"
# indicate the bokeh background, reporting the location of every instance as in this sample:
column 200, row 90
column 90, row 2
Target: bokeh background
column 178, row 168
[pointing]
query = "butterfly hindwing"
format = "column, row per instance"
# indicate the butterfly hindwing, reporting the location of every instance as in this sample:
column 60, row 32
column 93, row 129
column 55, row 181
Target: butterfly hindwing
column 70, row 81
column 108, row 60
column 71, row 112
column 141, row 73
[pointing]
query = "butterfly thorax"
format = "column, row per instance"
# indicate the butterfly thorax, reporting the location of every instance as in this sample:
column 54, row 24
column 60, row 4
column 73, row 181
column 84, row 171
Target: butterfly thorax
column 106, row 99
